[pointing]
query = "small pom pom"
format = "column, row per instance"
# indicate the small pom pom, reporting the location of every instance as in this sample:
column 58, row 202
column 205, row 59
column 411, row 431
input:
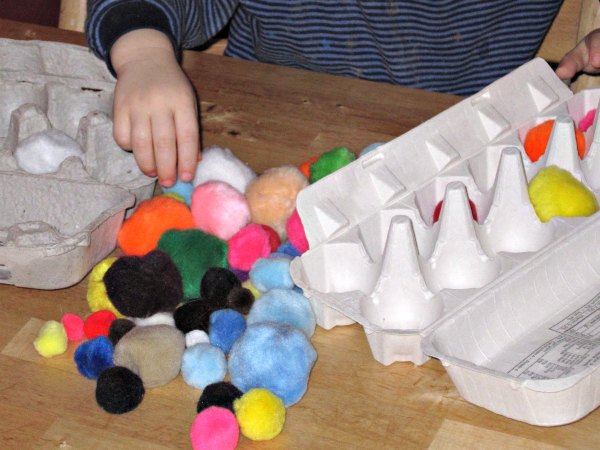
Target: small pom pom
column 241, row 275
column 73, row 326
column 240, row 299
column 97, row 297
column 220, row 164
column 215, row 428
column 438, row 209
column 203, row 364
column 94, row 357
column 272, row 273
column 118, row 329
column 196, row 337
column 555, row 192
column 226, row 326
column 44, row 151
column 305, row 166
column 195, row 315
column 255, row 292
column 119, row 390
column 51, row 339
column 329, row 162
column 142, row 286
column 369, row 148
column 216, row 284
column 274, row 240
column 220, row 394
column 587, row 120
column 536, row 140
column 260, row 414
column 219, row 209
column 181, row 189
column 142, row 230
column 287, row 248
column 247, row 245
column 174, row 196
column 295, row 232
column 98, row 323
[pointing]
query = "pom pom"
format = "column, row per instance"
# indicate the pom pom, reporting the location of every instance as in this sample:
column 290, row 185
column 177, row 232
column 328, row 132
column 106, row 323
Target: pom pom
column 153, row 352
column 329, row 162
column 369, row 148
column 118, row 329
column 247, row 245
column 219, row 209
column 587, row 120
column 94, row 357
column 51, row 339
column 142, row 286
column 273, row 356
column 255, row 292
column 73, row 325
column 181, row 189
column 438, row 209
column 216, row 284
column 97, row 298
column 164, row 318
column 119, row 390
column 536, row 140
column 142, row 230
column 272, row 196
column 240, row 299
column 44, row 152
column 215, row 428
column 287, row 248
column 219, row 164
column 274, row 240
column 193, row 253
column 284, row 306
column 203, row 364
column 226, row 326
column 220, row 394
column 272, row 273
column 295, row 232
column 260, row 414
column 98, row 323
column 305, row 166
column 195, row 315
column 555, row 192
column 241, row 275
column 196, row 337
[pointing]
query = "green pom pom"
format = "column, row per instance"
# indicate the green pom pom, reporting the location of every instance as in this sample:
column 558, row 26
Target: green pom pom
column 329, row 162
column 193, row 252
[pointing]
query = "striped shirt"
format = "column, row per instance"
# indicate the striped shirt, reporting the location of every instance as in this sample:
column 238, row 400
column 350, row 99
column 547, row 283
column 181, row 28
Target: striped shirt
column 457, row 46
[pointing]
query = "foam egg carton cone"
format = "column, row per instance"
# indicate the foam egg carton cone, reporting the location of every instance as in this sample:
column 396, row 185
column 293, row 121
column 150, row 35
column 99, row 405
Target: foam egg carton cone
column 54, row 230
column 45, row 85
column 376, row 255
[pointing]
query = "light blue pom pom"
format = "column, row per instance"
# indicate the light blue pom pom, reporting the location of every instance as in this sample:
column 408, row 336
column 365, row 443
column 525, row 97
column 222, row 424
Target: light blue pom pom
column 226, row 326
column 94, row 356
column 203, row 364
column 284, row 306
column 369, row 148
column 273, row 356
column 182, row 188
column 272, row 273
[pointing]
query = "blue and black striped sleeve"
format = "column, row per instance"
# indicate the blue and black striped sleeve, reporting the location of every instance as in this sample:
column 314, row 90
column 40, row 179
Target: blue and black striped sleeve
column 188, row 23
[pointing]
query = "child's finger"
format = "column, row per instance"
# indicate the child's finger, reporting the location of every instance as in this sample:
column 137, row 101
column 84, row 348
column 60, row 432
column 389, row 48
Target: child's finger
column 122, row 129
column 141, row 144
column 572, row 63
column 188, row 145
column 165, row 151
column 594, row 50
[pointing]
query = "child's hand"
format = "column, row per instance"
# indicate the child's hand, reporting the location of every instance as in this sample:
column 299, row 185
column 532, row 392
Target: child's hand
column 154, row 108
column 585, row 57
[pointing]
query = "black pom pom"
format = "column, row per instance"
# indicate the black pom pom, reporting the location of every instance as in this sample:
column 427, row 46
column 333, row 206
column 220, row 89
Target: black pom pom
column 216, row 283
column 219, row 394
column 118, row 329
column 143, row 286
column 119, row 390
column 240, row 299
column 195, row 315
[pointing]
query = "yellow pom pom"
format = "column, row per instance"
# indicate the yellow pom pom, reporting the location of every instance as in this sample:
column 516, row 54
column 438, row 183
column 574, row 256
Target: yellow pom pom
column 248, row 285
column 97, row 297
column 175, row 196
column 51, row 339
column 555, row 192
column 260, row 414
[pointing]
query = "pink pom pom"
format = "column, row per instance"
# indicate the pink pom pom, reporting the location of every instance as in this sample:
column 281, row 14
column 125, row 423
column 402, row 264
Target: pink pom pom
column 215, row 428
column 247, row 245
column 73, row 326
column 274, row 240
column 295, row 232
column 219, row 209
column 587, row 120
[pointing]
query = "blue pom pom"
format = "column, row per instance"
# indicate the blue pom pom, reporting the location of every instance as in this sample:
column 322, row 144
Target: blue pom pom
column 284, row 306
column 273, row 356
column 369, row 148
column 203, row 364
column 226, row 326
column 287, row 248
column 94, row 356
column 272, row 273
column 182, row 188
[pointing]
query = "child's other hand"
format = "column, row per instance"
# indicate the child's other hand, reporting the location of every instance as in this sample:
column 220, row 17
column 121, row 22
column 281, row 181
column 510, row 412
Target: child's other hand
column 154, row 107
column 585, row 57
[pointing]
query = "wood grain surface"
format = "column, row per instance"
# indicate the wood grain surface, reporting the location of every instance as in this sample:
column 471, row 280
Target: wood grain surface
column 268, row 116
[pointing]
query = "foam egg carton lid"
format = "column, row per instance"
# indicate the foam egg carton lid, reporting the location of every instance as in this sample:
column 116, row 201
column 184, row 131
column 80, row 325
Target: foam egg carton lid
column 378, row 258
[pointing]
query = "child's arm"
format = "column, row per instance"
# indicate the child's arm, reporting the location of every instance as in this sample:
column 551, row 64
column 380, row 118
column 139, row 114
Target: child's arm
column 585, row 57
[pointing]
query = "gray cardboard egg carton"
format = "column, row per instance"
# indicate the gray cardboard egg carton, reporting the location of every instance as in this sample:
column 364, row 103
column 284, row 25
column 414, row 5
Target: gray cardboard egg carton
column 508, row 303
column 46, row 85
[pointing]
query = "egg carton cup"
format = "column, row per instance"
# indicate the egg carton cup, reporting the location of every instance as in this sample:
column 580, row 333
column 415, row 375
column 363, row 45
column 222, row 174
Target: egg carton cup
column 377, row 258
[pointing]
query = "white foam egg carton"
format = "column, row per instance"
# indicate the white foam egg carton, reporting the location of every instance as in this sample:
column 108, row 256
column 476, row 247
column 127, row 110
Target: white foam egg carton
column 483, row 296
column 48, row 241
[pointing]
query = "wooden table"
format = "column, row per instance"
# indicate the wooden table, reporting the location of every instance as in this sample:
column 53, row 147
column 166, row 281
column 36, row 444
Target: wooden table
column 268, row 116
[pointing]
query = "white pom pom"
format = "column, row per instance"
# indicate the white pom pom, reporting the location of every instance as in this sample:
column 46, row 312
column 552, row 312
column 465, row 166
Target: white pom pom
column 44, row 152
column 220, row 164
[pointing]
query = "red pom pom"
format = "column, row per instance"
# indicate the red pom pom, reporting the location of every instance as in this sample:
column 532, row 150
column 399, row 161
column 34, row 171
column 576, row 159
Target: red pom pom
column 98, row 323
column 247, row 245
column 73, row 326
column 438, row 210
column 295, row 232
column 274, row 240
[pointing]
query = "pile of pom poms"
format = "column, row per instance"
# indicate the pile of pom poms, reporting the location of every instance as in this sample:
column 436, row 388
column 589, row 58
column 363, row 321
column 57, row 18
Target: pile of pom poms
column 203, row 289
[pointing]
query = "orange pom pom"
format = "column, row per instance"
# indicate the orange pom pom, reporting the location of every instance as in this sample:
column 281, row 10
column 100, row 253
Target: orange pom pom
column 305, row 166
column 142, row 230
column 537, row 139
